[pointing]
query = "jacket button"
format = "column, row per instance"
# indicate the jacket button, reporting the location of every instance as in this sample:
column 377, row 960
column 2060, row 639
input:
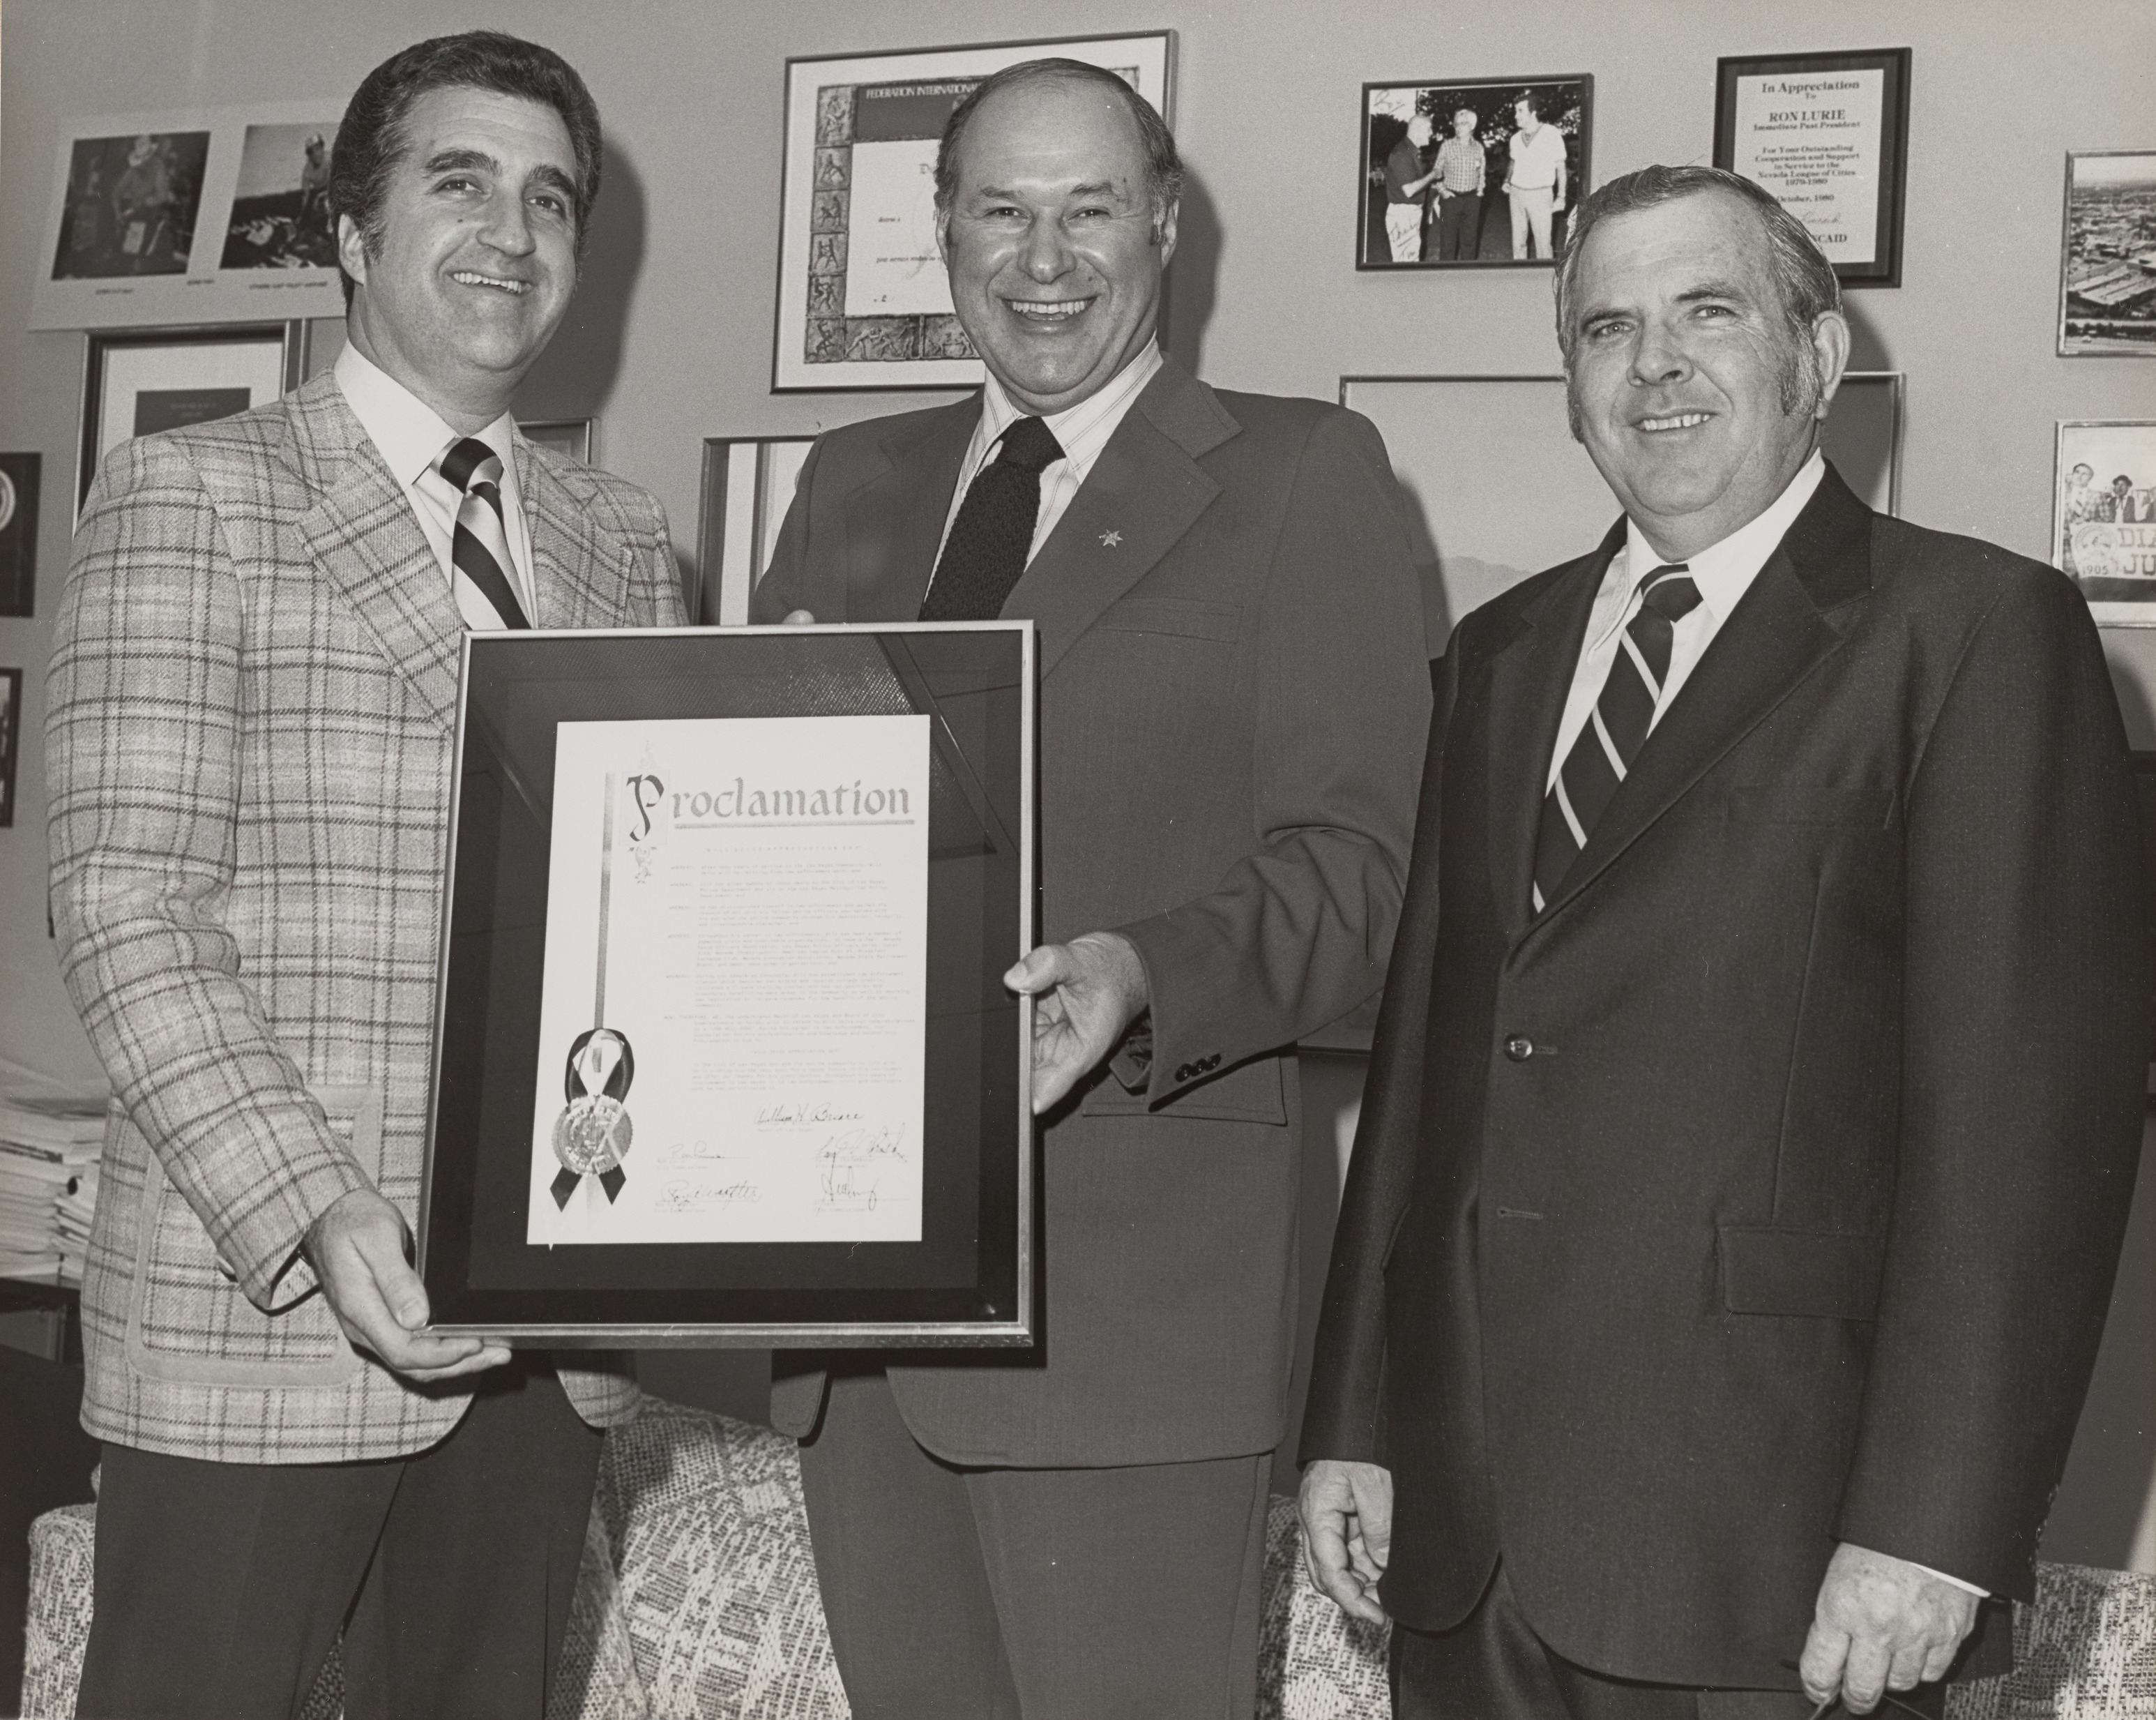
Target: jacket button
column 1214, row 1061
column 1184, row 1073
column 1519, row 1047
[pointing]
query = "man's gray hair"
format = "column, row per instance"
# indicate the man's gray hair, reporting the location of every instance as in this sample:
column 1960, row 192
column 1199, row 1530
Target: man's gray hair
column 1163, row 164
column 1807, row 280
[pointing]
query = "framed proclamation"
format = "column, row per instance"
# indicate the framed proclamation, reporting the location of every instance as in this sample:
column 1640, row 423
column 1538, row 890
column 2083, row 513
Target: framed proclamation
column 724, row 1054
column 1829, row 135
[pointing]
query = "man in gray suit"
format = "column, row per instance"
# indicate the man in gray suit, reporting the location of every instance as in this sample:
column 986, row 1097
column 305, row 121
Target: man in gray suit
column 1232, row 677
column 254, row 696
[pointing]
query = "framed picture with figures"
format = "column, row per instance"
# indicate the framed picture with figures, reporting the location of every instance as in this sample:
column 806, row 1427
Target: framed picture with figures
column 1479, row 172
column 2103, row 516
column 724, row 1057
column 862, row 302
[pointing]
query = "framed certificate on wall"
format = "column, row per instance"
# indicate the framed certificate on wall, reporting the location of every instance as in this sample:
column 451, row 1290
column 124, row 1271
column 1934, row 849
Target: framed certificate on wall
column 1829, row 135
column 863, row 301
column 724, row 1055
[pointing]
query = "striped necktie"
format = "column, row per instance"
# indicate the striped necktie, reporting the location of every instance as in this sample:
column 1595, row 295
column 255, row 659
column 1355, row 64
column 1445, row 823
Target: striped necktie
column 994, row 531
column 1615, row 730
column 479, row 550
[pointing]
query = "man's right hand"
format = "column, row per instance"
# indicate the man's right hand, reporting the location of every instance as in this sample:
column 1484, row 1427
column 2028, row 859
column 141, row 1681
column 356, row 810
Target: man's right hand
column 1347, row 1533
column 357, row 1248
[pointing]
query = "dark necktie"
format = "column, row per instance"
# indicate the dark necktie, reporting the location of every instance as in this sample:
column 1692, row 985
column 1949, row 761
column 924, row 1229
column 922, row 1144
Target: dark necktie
column 479, row 550
column 1616, row 729
column 994, row 528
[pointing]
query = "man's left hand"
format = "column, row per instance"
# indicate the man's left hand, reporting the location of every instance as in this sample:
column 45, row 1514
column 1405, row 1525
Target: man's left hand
column 1881, row 1623
column 1088, row 991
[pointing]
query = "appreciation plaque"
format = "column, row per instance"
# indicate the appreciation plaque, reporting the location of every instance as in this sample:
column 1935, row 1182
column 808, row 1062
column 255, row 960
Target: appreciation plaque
column 724, row 1055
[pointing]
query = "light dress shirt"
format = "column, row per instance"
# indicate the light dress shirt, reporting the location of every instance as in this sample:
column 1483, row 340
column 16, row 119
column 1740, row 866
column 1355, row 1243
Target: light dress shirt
column 1536, row 160
column 1082, row 432
column 1723, row 572
column 410, row 437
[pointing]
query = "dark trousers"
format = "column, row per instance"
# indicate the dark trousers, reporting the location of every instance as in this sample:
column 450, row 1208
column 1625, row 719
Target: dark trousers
column 1492, row 1666
column 996, row 1594
column 220, row 1588
column 1460, row 227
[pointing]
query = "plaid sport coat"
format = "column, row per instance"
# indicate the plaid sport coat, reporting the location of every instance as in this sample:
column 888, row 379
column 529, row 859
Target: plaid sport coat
column 250, row 734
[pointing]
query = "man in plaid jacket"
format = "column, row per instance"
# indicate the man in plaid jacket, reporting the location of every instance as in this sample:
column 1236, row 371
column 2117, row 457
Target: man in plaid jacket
column 252, row 696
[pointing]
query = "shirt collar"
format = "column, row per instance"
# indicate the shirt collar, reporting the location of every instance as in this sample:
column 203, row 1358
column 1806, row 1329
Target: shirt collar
column 1083, row 430
column 1724, row 572
column 406, row 431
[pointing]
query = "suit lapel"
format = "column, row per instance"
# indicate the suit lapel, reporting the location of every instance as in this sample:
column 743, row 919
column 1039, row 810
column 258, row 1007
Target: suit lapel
column 367, row 543
column 568, row 554
column 1143, row 493
column 895, row 522
column 1529, row 681
column 1776, row 636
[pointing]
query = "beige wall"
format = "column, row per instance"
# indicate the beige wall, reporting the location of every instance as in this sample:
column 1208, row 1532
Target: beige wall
column 671, row 341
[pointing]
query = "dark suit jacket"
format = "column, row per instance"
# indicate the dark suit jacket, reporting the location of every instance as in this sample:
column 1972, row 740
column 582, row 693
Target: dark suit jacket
column 1766, row 1190
column 1232, row 703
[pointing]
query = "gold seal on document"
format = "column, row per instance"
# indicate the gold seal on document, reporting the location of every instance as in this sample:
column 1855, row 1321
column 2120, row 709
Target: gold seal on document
column 592, row 1134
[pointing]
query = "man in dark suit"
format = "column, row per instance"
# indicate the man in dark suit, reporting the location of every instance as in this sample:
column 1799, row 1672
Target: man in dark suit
column 1232, row 703
column 1756, row 1101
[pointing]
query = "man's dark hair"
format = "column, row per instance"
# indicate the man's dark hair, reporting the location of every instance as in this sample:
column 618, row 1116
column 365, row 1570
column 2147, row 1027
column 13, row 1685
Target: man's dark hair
column 370, row 140
column 1163, row 164
column 1806, row 279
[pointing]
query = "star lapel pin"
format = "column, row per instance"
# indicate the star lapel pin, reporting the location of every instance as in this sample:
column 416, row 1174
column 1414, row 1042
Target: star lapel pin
column 1111, row 540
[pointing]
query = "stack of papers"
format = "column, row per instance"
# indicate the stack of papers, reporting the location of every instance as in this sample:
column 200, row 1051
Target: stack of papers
column 49, row 1153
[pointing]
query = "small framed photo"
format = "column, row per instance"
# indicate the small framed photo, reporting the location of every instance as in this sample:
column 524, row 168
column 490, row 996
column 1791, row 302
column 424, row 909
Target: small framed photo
column 19, row 481
column 136, row 384
column 188, row 216
column 570, row 437
column 863, row 301
column 2107, row 255
column 11, row 741
column 2104, row 516
column 1829, row 135
column 1468, row 174
column 748, row 483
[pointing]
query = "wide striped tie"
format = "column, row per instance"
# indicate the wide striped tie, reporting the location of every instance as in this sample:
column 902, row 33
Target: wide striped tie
column 1616, row 729
column 479, row 550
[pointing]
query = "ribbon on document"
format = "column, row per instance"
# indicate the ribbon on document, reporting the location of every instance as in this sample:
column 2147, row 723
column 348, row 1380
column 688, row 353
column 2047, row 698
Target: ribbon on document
column 592, row 1134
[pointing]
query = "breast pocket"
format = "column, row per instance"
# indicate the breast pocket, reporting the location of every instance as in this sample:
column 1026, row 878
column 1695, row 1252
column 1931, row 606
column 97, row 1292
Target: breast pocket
column 1809, row 803
column 187, row 1322
column 1174, row 618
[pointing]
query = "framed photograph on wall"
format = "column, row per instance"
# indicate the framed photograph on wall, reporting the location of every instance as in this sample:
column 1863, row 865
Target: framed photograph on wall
column 569, row 437
column 2107, row 255
column 2103, row 516
column 19, row 482
column 747, row 483
column 1465, row 173
column 1829, row 135
column 862, row 302
column 11, row 741
column 190, row 216
column 136, row 384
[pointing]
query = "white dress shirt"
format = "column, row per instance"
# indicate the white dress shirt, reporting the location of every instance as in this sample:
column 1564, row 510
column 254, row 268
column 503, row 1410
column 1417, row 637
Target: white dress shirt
column 410, row 437
column 1082, row 432
column 1724, row 572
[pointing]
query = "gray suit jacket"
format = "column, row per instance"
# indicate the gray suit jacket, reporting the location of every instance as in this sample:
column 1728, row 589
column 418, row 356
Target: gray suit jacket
column 253, row 692
column 1233, row 692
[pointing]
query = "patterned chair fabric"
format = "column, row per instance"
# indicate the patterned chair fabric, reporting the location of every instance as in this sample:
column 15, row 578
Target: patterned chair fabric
column 698, row 1601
